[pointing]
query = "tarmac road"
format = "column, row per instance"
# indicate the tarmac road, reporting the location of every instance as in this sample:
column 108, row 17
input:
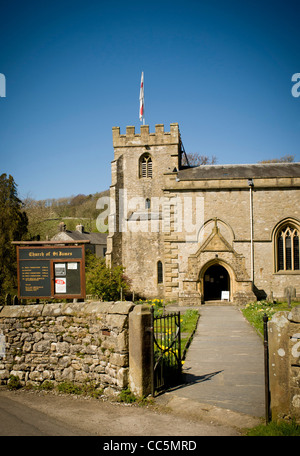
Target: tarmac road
column 29, row 413
column 17, row 419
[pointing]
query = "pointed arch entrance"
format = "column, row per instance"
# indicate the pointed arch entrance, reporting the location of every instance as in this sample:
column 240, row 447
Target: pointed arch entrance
column 216, row 280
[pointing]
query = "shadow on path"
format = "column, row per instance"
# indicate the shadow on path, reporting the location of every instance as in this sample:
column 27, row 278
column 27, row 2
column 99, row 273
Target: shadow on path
column 191, row 379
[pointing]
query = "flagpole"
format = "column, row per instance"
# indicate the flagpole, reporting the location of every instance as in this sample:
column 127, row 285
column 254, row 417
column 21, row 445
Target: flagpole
column 142, row 107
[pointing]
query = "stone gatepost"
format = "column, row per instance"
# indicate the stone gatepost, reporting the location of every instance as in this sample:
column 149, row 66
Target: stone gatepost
column 140, row 349
column 284, row 364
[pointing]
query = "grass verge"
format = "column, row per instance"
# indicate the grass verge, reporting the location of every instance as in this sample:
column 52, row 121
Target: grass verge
column 189, row 323
column 254, row 312
column 276, row 429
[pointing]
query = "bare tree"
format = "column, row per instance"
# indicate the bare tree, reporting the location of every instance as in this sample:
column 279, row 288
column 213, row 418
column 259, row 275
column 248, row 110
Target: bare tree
column 284, row 159
column 198, row 160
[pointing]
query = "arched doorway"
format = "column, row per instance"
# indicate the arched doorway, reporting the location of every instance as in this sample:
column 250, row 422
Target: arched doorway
column 216, row 279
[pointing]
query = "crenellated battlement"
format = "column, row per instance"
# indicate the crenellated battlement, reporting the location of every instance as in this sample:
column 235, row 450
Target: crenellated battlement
column 160, row 137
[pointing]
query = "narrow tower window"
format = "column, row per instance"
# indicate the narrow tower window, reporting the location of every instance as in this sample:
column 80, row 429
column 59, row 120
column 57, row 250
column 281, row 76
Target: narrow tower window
column 160, row 276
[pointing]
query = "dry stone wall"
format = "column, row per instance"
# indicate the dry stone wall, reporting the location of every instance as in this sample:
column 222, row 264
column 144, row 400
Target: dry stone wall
column 76, row 342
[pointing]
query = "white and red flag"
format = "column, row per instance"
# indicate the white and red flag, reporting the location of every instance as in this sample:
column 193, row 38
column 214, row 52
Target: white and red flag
column 142, row 106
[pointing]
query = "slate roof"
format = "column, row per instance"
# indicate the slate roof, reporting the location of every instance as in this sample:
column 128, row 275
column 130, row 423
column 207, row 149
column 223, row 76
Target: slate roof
column 259, row 170
column 94, row 238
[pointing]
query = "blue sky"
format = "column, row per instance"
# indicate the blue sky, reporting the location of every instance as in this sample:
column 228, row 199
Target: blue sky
column 221, row 69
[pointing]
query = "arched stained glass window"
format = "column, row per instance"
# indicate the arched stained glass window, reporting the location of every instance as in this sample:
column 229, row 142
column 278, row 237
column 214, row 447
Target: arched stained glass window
column 288, row 248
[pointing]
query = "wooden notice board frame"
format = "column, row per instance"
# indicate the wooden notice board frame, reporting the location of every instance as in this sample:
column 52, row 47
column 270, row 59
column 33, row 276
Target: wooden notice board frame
column 54, row 270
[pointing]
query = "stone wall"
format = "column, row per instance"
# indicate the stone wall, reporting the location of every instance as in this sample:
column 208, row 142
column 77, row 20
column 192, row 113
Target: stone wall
column 272, row 203
column 284, row 364
column 76, row 342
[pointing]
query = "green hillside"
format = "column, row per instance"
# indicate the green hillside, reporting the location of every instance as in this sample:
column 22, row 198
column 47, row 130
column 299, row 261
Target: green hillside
column 44, row 216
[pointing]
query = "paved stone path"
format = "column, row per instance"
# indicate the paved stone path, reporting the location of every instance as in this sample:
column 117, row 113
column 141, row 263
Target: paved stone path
column 224, row 367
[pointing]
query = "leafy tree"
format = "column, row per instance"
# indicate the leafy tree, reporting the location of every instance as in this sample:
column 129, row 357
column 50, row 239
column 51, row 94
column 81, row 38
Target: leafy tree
column 104, row 282
column 13, row 227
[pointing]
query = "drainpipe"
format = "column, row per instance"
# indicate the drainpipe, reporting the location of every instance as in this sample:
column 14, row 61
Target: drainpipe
column 250, row 183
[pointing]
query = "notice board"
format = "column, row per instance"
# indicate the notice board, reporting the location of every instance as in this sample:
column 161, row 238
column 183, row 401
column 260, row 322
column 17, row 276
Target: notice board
column 51, row 271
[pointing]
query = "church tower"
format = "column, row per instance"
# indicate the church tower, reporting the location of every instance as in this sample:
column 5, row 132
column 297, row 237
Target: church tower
column 142, row 165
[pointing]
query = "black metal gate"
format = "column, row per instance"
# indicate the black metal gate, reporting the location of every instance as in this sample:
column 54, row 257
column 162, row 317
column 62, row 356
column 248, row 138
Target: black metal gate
column 166, row 351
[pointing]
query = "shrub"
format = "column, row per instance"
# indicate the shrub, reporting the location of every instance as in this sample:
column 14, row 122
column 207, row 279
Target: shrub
column 47, row 385
column 127, row 396
column 14, row 382
column 69, row 388
column 104, row 282
column 89, row 388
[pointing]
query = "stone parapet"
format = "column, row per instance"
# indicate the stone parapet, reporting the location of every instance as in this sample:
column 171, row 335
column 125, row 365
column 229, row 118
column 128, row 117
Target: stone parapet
column 160, row 137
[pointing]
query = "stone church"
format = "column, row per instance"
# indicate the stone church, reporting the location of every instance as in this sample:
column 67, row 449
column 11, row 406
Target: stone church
column 206, row 233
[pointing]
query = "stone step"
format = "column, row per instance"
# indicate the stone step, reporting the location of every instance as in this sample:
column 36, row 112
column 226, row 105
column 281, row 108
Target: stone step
column 218, row 303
